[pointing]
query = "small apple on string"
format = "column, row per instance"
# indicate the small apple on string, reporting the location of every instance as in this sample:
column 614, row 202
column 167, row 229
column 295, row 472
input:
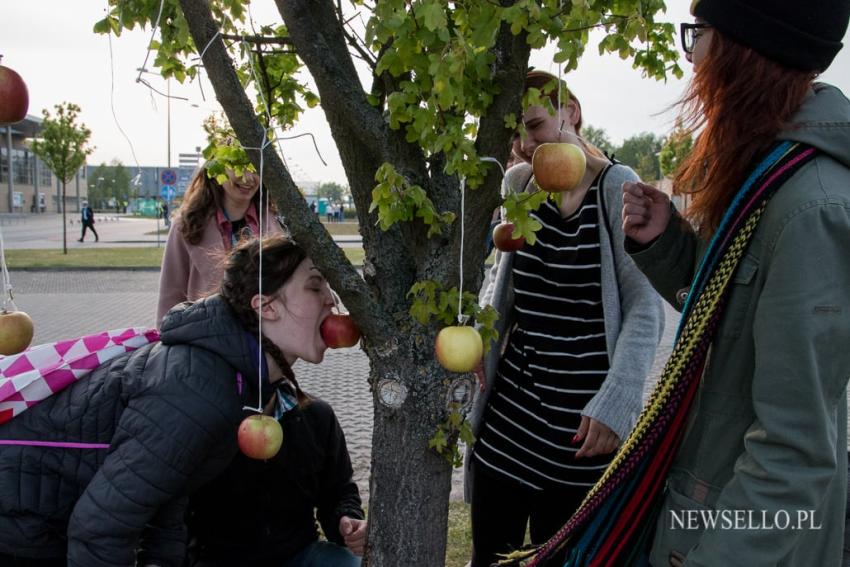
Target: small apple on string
column 260, row 437
column 558, row 166
column 459, row 348
column 16, row 329
column 14, row 97
column 504, row 240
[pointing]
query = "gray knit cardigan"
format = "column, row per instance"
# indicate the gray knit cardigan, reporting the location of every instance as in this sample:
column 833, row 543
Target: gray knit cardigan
column 634, row 316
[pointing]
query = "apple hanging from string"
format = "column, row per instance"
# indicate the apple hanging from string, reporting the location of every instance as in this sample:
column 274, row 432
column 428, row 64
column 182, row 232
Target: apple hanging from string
column 14, row 97
column 504, row 240
column 339, row 331
column 459, row 348
column 260, row 437
column 16, row 330
column 558, row 166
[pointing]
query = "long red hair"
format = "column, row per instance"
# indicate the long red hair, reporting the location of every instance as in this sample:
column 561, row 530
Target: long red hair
column 741, row 100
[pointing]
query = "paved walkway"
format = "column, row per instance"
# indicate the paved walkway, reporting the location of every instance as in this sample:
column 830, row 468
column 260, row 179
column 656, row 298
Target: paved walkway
column 65, row 304
column 45, row 231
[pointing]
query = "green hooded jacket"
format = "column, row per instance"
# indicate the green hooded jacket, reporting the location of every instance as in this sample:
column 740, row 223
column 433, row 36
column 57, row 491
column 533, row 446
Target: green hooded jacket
column 765, row 450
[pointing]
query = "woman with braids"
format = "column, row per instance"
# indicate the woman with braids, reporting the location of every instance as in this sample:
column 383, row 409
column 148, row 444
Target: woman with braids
column 579, row 325
column 209, row 223
column 260, row 513
column 97, row 474
column 762, row 276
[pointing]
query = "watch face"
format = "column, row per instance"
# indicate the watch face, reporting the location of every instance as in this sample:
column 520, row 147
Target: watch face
column 461, row 393
column 391, row 393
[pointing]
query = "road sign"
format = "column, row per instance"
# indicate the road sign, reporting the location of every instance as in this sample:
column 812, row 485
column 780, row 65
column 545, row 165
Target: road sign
column 167, row 192
column 168, row 177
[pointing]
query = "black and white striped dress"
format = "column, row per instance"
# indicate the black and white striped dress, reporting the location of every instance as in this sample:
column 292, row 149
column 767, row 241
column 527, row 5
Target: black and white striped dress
column 556, row 358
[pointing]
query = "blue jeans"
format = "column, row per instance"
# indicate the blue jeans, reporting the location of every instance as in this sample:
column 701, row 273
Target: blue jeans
column 324, row 554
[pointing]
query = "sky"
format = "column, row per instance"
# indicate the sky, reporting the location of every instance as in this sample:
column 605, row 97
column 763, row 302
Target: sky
column 50, row 43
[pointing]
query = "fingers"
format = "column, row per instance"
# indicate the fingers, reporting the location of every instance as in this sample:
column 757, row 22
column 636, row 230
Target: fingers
column 582, row 429
column 356, row 539
column 479, row 373
column 600, row 440
column 676, row 559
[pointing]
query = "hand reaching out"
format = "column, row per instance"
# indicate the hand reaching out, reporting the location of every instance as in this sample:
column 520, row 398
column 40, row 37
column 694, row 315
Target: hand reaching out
column 646, row 211
column 353, row 532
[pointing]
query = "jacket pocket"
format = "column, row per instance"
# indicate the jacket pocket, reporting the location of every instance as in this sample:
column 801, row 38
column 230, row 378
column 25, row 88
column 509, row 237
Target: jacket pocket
column 679, row 525
column 740, row 298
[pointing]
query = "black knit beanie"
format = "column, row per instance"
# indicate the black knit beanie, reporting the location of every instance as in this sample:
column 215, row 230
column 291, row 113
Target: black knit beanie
column 799, row 34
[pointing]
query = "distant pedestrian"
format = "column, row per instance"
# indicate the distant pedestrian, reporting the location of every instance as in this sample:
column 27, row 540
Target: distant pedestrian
column 211, row 220
column 87, row 219
column 164, row 213
column 313, row 207
column 329, row 213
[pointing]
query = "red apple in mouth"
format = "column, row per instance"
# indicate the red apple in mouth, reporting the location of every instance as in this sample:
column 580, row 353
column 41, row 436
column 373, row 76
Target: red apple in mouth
column 339, row 331
column 558, row 166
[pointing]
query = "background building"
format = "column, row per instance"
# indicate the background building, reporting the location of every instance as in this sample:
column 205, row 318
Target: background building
column 31, row 187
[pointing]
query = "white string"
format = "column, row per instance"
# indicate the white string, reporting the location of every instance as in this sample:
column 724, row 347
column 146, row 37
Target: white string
column 150, row 43
column 460, row 317
column 112, row 106
column 7, row 282
column 560, row 114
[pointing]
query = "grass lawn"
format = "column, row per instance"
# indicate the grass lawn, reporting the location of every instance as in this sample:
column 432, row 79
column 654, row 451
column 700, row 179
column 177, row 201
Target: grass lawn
column 347, row 228
column 459, row 547
column 117, row 258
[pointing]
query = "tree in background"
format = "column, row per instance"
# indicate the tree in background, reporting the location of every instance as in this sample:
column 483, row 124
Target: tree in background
column 63, row 148
column 333, row 192
column 437, row 85
column 108, row 182
column 676, row 148
column 598, row 137
column 640, row 152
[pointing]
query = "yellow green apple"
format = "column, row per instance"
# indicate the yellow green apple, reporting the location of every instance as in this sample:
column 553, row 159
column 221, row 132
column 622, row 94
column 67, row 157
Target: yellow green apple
column 16, row 331
column 558, row 166
column 459, row 348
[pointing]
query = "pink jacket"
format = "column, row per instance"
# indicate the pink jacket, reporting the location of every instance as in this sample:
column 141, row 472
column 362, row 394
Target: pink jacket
column 190, row 272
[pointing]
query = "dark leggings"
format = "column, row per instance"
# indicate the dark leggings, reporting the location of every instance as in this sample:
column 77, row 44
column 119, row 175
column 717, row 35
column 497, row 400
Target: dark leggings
column 501, row 509
column 12, row 561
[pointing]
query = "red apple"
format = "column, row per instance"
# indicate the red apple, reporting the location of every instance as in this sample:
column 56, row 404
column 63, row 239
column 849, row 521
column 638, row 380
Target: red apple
column 339, row 331
column 16, row 331
column 459, row 348
column 260, row 437
column 503, row 238
column 14, row 98
column 558, row 166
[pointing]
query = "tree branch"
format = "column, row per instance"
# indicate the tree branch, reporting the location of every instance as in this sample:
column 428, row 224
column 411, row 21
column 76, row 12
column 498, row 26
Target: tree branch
column 372, row 318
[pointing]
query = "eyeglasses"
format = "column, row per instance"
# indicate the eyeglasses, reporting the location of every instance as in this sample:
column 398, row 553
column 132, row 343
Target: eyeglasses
column 689, row 35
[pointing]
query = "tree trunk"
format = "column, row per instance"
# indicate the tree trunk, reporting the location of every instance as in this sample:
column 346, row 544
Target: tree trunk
column 64, row 222
column 410, row 484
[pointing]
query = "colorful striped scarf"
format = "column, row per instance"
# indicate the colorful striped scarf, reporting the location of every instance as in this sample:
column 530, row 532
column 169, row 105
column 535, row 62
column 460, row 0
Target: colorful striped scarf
column 617, row 517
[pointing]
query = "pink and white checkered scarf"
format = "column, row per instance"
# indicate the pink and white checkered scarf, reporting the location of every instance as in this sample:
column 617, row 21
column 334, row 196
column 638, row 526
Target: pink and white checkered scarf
column 41, row 371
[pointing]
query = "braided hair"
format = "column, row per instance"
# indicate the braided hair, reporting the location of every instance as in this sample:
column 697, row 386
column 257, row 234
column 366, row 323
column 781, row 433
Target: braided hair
column 281, row 257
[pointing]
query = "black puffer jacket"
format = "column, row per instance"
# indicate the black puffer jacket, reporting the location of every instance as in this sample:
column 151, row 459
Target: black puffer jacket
column 169, row 412
column 261, row 513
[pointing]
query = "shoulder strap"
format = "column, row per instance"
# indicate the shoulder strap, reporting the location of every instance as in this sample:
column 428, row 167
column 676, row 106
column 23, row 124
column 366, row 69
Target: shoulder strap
column 602, row 196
